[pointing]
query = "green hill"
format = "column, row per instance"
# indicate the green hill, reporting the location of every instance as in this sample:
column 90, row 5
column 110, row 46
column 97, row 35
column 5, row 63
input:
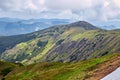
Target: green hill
column 63, row 43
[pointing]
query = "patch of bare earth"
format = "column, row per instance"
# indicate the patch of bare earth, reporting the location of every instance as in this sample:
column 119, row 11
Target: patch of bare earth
column 103, row 69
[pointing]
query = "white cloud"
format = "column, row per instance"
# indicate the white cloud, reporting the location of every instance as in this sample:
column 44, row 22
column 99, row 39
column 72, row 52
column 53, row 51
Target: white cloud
column 117, row 3
column 41, row 2
column 106, row 3
column 30, row 5
column 72, row 9
column 37, row 28
column 68, row 14
column 70, row 4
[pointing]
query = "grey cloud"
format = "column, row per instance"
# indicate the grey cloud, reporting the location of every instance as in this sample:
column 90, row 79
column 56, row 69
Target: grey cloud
column 6, row 4
column 73, row 9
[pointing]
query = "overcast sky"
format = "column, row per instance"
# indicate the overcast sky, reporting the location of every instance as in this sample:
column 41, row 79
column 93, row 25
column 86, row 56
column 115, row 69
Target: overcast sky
column 92, row 10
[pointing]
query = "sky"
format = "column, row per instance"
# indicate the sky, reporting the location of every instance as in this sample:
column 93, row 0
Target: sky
column 91, row 10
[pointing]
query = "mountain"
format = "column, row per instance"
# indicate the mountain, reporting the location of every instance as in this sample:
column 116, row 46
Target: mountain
column 13, row 26
column 76, row 51
column 6, row 19
column 63, row 43
column 93, row 69
column 108, row 25
column 10, row 41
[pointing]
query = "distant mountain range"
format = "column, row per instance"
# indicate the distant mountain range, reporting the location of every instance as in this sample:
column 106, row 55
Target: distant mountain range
column 14, row 26
column 108, row 25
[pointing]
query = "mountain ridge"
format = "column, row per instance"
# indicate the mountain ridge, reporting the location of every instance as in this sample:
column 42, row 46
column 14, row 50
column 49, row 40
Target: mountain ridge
column 10, row 26
column 62, row 43
column 34, row 33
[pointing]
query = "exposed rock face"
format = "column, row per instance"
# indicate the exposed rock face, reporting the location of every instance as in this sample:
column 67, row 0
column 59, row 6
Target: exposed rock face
column 83, row 49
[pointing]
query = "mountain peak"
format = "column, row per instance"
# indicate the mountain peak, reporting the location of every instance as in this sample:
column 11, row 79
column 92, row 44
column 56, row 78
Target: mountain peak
column 84, row 25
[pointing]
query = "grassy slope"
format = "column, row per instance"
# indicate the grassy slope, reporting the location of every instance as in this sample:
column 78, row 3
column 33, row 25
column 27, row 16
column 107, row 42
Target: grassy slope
column 63, row 71
column 24, row 52
column 28, row 52
column 5, row 68
column 33, row 53
column 94, row 43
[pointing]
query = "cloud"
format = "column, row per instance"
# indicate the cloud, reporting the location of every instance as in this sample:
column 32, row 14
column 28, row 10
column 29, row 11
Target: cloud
column 68, row 4
column 111, row 9
column 71, row 9
column 21, row 5
column 68, row 14
column 86, row 9
column 37, row 28
column 72, row 4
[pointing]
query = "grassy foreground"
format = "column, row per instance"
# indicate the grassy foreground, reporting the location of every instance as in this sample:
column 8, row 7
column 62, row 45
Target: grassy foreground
column 58, row 71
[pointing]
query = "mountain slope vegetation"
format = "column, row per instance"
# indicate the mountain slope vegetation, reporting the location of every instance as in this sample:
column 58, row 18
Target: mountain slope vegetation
column 5, row 68
column 63, row 43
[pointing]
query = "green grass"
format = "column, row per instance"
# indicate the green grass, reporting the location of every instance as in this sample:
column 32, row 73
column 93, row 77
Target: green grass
column 5, row 68
column 79, row 68
column 58, row 71
column 87, row 35
column 25, row 52
column 47, row 47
